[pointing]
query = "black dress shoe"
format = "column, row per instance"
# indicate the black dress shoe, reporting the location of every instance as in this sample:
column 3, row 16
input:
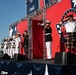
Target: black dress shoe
column 48, row 59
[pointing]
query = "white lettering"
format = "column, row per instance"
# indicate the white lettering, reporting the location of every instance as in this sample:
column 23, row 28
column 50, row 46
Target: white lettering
column 4, row 72
column 30, row 73
column 32, row 8
column 46, row 70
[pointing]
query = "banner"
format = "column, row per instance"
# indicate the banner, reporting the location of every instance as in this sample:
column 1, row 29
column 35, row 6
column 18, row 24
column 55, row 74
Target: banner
column 15, row 68
column 30, row 68
column 47, row 1
column 73, row 2
column 32, row 5
column 38, row 69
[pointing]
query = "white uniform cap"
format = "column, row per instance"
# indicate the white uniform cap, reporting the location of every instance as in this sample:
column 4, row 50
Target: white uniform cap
column 42, row 24
column 13, row 36
column 47, row 21
column 75, row 18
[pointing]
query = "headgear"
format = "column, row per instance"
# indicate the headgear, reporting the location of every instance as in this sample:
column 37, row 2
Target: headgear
column 47, row 22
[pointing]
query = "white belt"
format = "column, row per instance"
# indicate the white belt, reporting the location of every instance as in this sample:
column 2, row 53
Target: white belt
column 47, row 34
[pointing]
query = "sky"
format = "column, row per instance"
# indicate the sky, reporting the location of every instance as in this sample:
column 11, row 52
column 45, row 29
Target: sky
column 10, row 12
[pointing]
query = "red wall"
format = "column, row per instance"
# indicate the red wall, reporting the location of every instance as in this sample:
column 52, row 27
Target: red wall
column 21, row 27
column 54, row 14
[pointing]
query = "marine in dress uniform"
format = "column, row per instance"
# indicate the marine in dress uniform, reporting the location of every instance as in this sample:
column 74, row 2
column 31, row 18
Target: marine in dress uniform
column 25, row 43
column 48, row 39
